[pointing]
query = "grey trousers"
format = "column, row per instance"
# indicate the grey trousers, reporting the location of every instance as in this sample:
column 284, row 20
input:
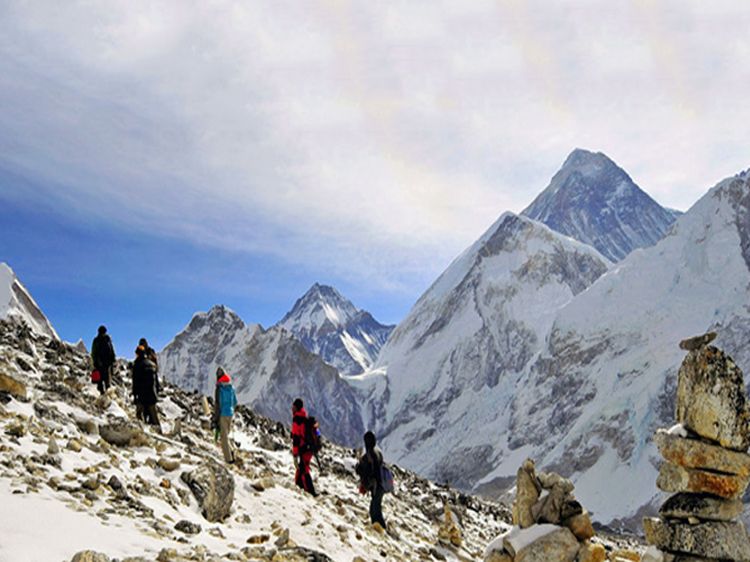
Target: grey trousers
column 225, row 427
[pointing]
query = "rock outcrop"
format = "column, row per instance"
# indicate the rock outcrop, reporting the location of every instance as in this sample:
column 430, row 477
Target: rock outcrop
column 706, row 462
column 213, row 487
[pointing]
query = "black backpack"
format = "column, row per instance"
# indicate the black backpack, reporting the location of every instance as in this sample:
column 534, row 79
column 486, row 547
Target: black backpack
column 312, row 435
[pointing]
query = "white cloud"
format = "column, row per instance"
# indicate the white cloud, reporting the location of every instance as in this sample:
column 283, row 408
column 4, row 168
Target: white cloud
column 375, row 139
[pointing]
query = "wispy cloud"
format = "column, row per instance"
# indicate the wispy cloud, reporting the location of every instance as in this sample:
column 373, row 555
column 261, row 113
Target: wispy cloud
column 375, row 140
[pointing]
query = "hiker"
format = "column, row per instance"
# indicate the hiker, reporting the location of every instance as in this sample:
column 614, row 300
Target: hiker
column 151, row 354
column 103, row 357
column 369, row 469
column 224, row 402
column 144, row 388
column 301, row 450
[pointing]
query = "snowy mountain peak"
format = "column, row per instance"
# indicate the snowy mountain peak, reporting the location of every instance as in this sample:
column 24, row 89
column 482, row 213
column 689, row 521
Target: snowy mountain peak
column 331, row 326
column 595, row 201
column 16, row 302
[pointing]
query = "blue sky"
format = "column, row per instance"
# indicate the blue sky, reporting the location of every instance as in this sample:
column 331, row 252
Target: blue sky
column 160, row 157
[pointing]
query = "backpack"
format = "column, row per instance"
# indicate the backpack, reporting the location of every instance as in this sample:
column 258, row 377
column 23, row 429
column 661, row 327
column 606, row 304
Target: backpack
column 312, row 435
column 386, row 478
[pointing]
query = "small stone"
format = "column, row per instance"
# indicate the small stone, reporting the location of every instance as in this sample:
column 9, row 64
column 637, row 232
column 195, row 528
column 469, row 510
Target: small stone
column 527, row 494
column 87, row 426
column 188, row 527
column 167, row 555
column 259, row 539
column 121, row 433
column 590, row 552
column 496, row 556
column 166, row 484
column 673, row 478
column 91, row 483
column 168, row 465
column 90, row 556
column 16, row 429
column 283, row 539
column 580, row 525
column 701, row 506
column 695, row 343
column 115, row 484
column 623, row 555
column 692, row 453
column 52, row 447
column 74, row 445
column 713, row 539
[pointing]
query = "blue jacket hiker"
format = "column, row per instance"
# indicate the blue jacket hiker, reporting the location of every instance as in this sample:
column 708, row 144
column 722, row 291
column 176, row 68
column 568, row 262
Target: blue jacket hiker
column 224, row 402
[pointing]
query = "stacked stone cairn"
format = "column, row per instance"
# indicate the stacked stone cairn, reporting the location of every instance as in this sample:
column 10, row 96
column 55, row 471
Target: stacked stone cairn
column 706, row 466
column 550, row 525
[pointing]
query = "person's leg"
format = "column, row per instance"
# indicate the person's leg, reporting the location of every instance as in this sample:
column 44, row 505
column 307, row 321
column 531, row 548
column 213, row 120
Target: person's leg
column 307, row 476
column 225, row 426
column 153, row 416
column 140, row 413
column 376, row 506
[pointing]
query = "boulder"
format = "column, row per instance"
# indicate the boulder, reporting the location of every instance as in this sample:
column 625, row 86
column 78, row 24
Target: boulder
column 712, row 539
column 580, row 525
column 692, row 453
column 213, row 487
column 673, row 478
column 121, row 433
column 697, row 342
column 711, row 398
column 701, row 506
column 168, row 465
column 188, row 527
column 559, row 545
column 12, row 386
column 527, row 494
column 90, row 556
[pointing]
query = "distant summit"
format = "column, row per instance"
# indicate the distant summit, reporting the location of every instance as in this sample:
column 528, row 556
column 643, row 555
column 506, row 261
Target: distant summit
column 331, row 326
column 16, row 303
column 594, row 201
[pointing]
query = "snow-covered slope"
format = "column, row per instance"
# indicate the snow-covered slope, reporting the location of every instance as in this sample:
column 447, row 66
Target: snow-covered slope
column 17, row 303
column 593, row 200
column 578, row 383
column 270, row 368
column 331, row 326
column 453, row 363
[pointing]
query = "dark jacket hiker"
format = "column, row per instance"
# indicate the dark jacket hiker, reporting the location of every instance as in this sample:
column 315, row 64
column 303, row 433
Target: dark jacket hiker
column 144, row 387
column 370, row 472
column 103, row 357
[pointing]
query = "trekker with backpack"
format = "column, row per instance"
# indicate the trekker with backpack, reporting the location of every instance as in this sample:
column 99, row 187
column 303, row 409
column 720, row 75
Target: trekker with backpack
column 305, row 444
column 103, row 357
column 225, row 401
column 144, row 388
column 151, row 354
column 374, row 477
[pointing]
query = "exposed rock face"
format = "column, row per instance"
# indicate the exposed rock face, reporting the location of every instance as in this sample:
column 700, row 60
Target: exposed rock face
column 12, row 386
column 593, row 200
column 692, row 453
column 701, row 506
column 90, row 556
column 713, row 539
column 213, row 487
column 711, row 400
column 329, row 325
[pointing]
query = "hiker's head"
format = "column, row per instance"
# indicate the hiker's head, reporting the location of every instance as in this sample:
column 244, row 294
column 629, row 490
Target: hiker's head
column 143, row 342
column 370, row 440
column 140, row 351
column 102, row 330
column 220, row 372
column 297, row 405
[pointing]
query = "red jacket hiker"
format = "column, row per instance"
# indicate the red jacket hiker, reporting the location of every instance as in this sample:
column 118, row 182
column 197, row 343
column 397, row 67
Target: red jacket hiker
column 303, row 478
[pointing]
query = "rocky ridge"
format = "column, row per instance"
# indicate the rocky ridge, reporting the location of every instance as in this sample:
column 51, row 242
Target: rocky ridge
column 108, row 488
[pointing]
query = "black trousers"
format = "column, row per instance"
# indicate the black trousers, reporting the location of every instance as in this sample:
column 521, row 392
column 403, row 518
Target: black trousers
column 376, row 506
column 103, row 383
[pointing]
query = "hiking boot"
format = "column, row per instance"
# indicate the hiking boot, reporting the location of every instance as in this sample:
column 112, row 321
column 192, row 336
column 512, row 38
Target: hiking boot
column 378, row 528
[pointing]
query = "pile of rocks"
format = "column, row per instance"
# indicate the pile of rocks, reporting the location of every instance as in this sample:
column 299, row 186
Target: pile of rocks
column 549, row 523
column 707, row 467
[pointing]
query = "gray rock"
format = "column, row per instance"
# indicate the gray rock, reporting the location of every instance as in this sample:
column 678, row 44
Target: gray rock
column 558, row 546
column 52, row 447
column 695, row 343
column 701, row 506
column 90, row 556
column 527, row 494
column 120, row 433
column 711, row 398
column 713, row 539
column 213, row 487
column 188, row 527
column 673, row 478
column 693, row 453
